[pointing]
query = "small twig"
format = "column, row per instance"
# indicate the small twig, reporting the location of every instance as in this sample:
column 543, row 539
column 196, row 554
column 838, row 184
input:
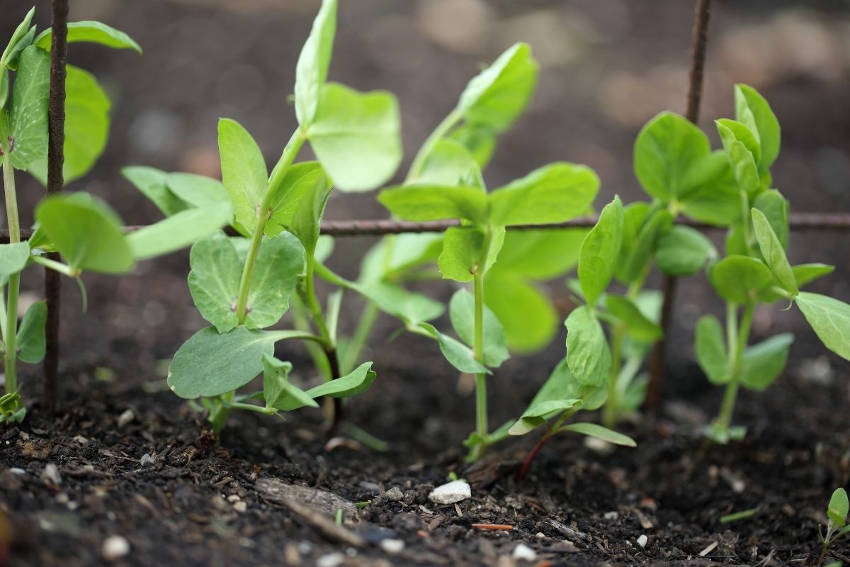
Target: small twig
column 493, row 527
column 323, row 524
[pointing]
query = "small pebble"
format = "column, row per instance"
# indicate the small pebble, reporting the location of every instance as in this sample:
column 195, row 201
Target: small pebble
column 394, row 494
column 392, row 546
column 611, row 515
column 114, row 548
column 330, row 560
column 17, row 471
column 642, row 540
column 240, row 506
column 524, row 553
column 126, row 417
column 146, row 459
column 451, row 492
column 51, row 474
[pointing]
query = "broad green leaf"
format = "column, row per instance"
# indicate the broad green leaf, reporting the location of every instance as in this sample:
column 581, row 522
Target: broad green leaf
column 412, row 308
column 711, row 350
column 539, row 413
column 634, row 264
column 243, row 172
column 355, row 382
column 711, row 192
column 211, row 364
column 356, row 136
column 153, row 184
column 31, row 343
column 683, row 251
column 747, row 99
column 198, row 190
column 498, row 95
column 554, row 193
column 28, row 116
column 599, row 251
column 742, row 133
column 838, row 508
column 540, row 254
column 86, row 232
column 588, row 355
column 311, row 71
column 392, row 258
column 462, row 314
column 450, row 164
column 773, row 252
column 806, row 273
column 424, row 203
column 279, row 265
column 277, row 391
column 13, row 259
column 179, row 230
column 86, row 126
column 456, row 353
column 775, row 208
column 530, row 321
column 638, row 325
column 467, row 251
column 298, row 203
column 12, row 53
column 830, row 319
column 91, row 32
column 478, row 139
column 600, row 432
column 739, row 278
column 665, row 149
column 761, row 364
column 214, row 280
column 18, row 35
column 741, row 159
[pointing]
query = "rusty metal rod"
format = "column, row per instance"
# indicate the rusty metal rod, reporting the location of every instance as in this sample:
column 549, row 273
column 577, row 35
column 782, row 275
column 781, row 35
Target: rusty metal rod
column 55, row 181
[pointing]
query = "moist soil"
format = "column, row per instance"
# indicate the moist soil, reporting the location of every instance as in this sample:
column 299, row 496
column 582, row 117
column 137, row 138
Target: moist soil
column 143, row 466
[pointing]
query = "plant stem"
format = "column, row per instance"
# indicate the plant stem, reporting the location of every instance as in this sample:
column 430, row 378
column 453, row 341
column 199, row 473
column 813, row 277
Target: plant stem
column 11, row 334
column 58, row 267
column 611, row 409
column 526, row 464
column 481, row 378
column 724, row 419
column 441, row 130
column 289, row 153
column 360, row 337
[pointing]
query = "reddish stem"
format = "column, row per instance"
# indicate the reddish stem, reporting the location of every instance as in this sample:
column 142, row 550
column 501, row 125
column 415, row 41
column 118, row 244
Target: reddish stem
column 527, row 463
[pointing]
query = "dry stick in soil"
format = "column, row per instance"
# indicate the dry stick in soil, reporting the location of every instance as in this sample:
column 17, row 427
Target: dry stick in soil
column 55, row 163
column 659, row 355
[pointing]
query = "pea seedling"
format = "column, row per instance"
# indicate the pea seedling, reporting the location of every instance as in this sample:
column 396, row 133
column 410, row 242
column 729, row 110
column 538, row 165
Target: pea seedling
column 836, row 525
column 87, row 234
column 243, row 285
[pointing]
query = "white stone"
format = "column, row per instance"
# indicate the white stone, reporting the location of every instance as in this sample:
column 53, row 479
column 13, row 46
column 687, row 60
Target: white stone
column 642, row 540
column 146, row 459
column 611, row 515
column 392, row 546
column 524, row 553
column 240, row 506
column 126, row 417
column 330, row 560
column 114, row 548
column 51, row 474
column 451, row 492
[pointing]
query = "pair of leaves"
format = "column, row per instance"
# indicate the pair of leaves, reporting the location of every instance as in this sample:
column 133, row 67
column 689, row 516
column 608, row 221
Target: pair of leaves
column 281, row 395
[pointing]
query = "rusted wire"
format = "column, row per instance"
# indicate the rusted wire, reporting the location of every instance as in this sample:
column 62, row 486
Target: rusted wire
column 55, row 181
column 658, row 364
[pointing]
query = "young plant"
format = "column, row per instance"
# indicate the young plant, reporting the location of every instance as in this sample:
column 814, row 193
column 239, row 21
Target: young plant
column 243, row 285
column 836, row 525
column 756, row 270
column 87, row 234
column 445, row 182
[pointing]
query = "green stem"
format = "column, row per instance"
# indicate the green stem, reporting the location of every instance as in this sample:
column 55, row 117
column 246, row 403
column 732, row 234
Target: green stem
column 481, row 425
column 441, row 130
column 11, row 329
column 289, row 153
column 361, row 336
column 724, row 419
column 63, row 269
column 611, row 409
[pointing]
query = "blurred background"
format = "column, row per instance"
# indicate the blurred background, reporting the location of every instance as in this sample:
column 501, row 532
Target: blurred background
column 606, row 68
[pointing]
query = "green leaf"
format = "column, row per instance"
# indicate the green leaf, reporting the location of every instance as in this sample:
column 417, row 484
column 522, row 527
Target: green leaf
column 393, row 258
column 355, row 382
column 830, row 319
column 91, row 32
column 243, row 172
column 588, row 355
column 13, row 259
column 153, row 184
column 498, row 95
column 86, row 232
column 540, row 254
column 711, row 350
column 198, row 190
column 23, row 29
column 599, row 432
column 86, row 126
column 838, row 508
column 456, row 353
column 741, row 132
column 424, row 203
column 412, row 308
column 478, row 139
column 462, row 314
column 277, row 391
column 4, row 96
column 806, row 273
column 28, row 116
column 559, row 393
column 739, row 278
column 554, row 193
column 775, row 208
column 773, row 252
column 31, row 343
column 356, row 136
column 298, row 203
column 450, row 164
column 761, row 364
column 311, row 71
column 767, row 126
column 740, row 158
column 683, row 251
column 467, row 251
column 211, row 364
column 665, row 150
column 599, row 251
column 179, row 230
column 214, row 280
column 711, row 192
column 636, row 255
column 638, row 325
column 529, row 319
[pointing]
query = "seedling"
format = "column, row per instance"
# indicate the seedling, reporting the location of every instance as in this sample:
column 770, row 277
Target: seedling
column 243, row 285
column 86, row 233
column 836, row 525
